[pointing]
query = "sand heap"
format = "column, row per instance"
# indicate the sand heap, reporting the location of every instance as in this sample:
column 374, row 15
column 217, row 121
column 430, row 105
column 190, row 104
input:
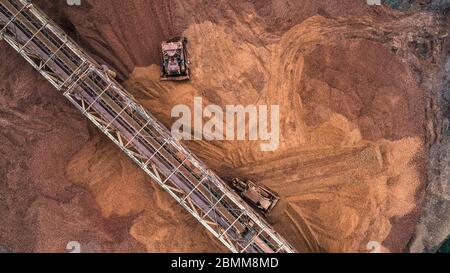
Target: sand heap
column 350, row 156
column 350, row 166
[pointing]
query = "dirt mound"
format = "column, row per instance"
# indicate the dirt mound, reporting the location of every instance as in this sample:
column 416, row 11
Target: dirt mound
column 40, row 208
column 349, row 167
column 350, row 156
column 122, row 190
column 128, row 34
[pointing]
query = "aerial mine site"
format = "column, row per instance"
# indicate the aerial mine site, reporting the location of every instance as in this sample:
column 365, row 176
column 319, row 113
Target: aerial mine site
column 124, row 140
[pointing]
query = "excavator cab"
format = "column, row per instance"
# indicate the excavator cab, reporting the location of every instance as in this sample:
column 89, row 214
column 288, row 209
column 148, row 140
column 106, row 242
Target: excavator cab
column 175, row 60
column 258, row 196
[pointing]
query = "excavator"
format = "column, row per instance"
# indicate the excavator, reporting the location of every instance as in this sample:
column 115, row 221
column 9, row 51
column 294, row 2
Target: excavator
column 175, row 60
column 256, row 195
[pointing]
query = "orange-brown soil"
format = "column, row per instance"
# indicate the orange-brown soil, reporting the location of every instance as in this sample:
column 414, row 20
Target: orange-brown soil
column 350, row 168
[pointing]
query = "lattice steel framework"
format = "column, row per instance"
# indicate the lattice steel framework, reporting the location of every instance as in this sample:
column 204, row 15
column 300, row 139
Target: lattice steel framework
column 137, row 132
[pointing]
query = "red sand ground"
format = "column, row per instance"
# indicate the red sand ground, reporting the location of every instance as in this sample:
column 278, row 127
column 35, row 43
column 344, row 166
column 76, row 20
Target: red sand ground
column 350, row 168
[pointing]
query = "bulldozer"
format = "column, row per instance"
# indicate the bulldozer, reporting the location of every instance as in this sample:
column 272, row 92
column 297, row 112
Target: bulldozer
column 256, row 195
column 175, row 60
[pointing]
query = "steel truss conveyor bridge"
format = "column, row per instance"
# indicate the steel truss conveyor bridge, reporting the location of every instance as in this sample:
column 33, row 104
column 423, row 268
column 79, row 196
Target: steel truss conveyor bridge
column 137, row 132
